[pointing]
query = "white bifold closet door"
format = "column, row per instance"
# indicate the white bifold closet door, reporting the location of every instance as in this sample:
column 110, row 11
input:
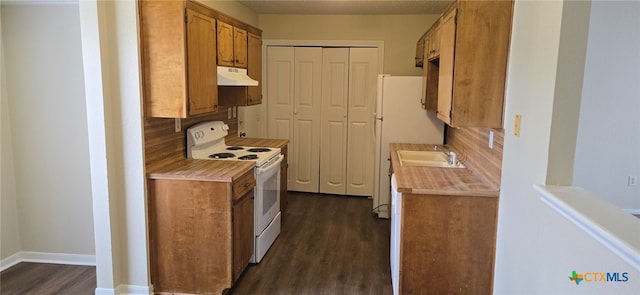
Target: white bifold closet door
column 363, row 79
column 280, row 69
column 294, row 97
column 335, row 108
column 325, row 108
column 307, row 99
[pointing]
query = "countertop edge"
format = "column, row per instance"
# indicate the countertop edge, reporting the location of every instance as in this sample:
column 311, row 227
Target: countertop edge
column 169, row 176
column 461, row 193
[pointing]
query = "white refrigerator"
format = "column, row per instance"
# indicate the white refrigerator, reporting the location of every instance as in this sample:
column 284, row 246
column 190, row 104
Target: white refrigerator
column 399, row 118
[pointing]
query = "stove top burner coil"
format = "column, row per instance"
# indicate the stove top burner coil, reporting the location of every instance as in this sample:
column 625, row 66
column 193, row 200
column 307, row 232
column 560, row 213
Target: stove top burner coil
column 259, row 150
column 249, row 157
column 235, row 148
column 222, row 156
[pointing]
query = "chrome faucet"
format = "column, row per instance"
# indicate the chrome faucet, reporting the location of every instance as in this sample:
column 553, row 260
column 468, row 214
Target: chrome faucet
column 452, row 158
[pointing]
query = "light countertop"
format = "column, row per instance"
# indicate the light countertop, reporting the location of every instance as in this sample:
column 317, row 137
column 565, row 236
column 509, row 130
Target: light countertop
column 435, row 180
column 209, row 170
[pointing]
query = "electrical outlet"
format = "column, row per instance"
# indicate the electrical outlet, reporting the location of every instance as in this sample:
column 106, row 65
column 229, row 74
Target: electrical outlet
column 633, row 180
column 178, row 125
column 491, row 139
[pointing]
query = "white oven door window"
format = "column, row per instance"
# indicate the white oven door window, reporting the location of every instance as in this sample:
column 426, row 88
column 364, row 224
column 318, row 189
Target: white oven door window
column 267, row 194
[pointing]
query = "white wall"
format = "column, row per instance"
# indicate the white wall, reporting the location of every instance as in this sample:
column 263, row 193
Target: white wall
column 608, row 148
column 537, row 249
column 399, row 32
column 48, row 128
column 9, row 230
column 113, row 106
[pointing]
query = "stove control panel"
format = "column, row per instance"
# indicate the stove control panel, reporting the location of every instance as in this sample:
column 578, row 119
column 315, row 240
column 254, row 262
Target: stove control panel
column 206, row 132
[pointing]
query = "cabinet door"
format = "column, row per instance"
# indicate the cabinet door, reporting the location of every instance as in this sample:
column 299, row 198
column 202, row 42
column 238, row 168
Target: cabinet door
column 243, row 238
column 201, row 63
column 189, row 230
column 482, row 48
column 445, row 78
column 430, row 71
column 435, row 42
column 225, row 44
column 254, row 68
column 239, row 48
column 162, row 43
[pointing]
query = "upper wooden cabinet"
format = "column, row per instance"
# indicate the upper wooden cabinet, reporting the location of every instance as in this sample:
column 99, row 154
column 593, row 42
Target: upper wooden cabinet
column 472, row 62
column 232, row 46
column 446, row 66
column 432, row 42
column 180, row 42
column 430, row 68
column 420, row 45
column 177, row 43
column 249, row 95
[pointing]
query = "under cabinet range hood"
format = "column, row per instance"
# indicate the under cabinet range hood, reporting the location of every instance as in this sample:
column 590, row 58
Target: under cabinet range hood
column 234, row 77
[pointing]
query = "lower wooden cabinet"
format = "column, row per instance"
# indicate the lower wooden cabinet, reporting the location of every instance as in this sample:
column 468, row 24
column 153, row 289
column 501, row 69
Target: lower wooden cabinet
column 200, row 233
column 243, row 237
column 447, row 244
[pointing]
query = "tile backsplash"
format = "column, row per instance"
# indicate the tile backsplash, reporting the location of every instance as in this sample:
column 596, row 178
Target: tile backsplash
column 473, row 147
column 161, row 141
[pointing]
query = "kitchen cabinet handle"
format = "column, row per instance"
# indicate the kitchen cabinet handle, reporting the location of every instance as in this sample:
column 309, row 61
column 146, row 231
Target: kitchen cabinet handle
column 246, row 185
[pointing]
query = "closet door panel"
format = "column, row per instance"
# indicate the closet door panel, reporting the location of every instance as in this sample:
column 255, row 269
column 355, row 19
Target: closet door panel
column 363, row 73
column 305, row 167
column 333, row 144
column 358, row 160
column 280, row 67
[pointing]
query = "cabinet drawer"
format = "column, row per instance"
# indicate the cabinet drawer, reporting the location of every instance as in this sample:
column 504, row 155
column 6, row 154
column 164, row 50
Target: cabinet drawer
column 243, row 184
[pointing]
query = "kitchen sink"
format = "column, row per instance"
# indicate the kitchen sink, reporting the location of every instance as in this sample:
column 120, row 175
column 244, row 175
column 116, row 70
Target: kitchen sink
column 426, row 158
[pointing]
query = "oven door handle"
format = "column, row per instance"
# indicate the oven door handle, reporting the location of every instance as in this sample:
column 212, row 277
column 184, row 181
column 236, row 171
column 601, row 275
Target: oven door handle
column 270, row 166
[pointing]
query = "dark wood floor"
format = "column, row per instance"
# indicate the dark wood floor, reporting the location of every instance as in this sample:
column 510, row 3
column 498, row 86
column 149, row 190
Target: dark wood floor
column 43, row 279
column 328, row 245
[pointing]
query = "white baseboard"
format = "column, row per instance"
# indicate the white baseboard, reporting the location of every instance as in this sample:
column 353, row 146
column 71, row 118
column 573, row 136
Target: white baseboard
column 43, row 257
column 632, row 211
column 72, row 259
column 133, row 290
column 10, row 261
column 125, row 290
column 105, row 291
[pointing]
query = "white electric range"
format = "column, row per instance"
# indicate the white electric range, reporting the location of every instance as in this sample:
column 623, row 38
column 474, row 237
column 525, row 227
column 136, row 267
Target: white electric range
column 206, row 141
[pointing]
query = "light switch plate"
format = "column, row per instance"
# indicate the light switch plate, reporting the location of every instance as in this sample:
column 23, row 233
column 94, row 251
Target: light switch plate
column 229, row 113
column 633, row 180
column 516, row 127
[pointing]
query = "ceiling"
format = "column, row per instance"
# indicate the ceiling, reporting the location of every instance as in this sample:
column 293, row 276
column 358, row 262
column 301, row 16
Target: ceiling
column 346, row 6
